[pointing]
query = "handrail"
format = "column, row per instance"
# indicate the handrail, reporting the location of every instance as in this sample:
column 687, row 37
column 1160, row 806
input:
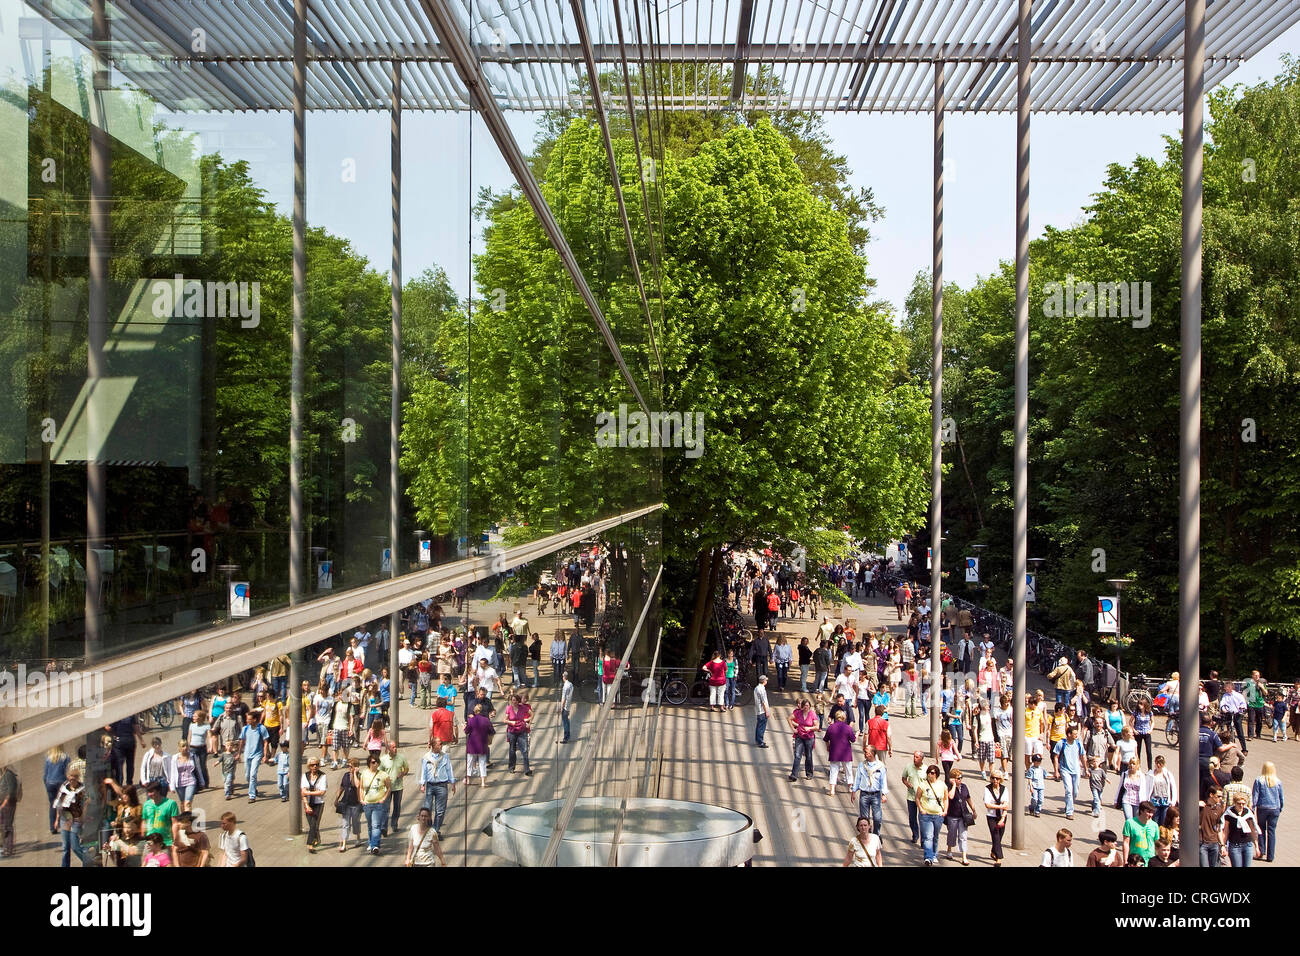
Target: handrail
column 593, row 742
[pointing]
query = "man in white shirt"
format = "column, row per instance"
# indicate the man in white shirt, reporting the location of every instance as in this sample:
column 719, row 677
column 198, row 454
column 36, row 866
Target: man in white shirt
column 826, row 629
column 404, row 657
column 1059, row 855
column 519, row 626
column 853, row 660
column 559, row 650
column 1233, row 705
column 234, row 844
column 566, row 702
column 488, row 679
column 761, row 711
column 847, row 685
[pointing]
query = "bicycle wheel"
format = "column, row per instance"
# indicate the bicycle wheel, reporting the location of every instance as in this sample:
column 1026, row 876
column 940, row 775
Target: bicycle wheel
column 1171, row 732
column 742, row 690
column 676, row 691
column 1136, row 698
column 589, row 690
column 165, row 715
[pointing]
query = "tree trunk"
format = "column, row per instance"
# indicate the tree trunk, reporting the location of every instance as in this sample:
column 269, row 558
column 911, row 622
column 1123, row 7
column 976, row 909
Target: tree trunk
column 1229, row 648
column 705, row 571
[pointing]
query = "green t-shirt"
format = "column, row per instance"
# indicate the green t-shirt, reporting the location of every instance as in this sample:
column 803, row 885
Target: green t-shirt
column 158, row 818
column 1143, row 837
column 395, row 767
column 915, row 776
column 1254, row 694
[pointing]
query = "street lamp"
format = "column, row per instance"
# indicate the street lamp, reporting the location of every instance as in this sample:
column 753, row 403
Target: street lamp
column 1119, row 584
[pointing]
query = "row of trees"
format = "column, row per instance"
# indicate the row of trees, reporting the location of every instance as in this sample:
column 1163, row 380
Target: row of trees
column 1104, row 399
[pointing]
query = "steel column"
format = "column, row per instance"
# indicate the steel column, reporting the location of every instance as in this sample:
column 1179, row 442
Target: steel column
column 96, row 331
column 936, row 424
column 1020, row 481
column 296, row 739
column 395, row 410
column 299, row 296
column 1189, row 407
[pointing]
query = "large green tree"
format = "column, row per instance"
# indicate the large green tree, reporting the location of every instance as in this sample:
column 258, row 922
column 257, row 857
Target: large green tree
column 1104, row 399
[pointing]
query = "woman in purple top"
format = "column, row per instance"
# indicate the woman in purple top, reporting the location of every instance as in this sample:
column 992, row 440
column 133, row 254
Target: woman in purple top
column 478, row 734
column 839, row 743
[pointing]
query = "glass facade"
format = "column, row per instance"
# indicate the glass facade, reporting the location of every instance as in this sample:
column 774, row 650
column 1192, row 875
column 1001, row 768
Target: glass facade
column 147, row 322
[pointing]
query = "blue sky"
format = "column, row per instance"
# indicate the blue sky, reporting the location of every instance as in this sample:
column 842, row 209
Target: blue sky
column 891, row 154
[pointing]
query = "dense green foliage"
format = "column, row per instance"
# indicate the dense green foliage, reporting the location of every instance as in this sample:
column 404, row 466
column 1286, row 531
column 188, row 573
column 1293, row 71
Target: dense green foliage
column 1104, row 400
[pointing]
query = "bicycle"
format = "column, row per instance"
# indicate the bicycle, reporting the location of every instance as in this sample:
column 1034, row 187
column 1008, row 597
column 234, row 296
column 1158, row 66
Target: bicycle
column 162, row 715
column 1171, row 729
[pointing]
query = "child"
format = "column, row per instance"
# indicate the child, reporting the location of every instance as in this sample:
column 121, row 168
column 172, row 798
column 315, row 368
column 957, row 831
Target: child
column 228, row 764
column 1037, row 782
column 1279, row 716
column 282, row 770
column 156, row 854
column 820, row 703
column 1097, row 781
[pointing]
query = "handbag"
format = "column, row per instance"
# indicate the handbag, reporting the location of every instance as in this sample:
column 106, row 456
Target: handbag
column 967, row 814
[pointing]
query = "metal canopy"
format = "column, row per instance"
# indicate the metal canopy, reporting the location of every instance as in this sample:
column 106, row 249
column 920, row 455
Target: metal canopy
column 1109, row 56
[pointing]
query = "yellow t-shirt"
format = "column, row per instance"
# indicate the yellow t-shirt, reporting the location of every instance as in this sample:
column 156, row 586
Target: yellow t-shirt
column 1059, row 723
column 271, row 714
column 930, row 796
column 1033, row 726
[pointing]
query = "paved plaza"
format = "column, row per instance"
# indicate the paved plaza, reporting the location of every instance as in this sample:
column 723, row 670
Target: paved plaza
column 707, row 757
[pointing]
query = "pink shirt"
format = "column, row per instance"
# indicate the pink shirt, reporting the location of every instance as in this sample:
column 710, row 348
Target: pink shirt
column 517, row 718
column 805, row 724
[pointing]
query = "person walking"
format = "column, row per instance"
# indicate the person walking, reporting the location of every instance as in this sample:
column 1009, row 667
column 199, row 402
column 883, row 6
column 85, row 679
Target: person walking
column 1241, row 832
column 959, row 816
column 864, row 848
column 436, row 777
column 716, row 671
column 1059, row 853
column 518, row 725
column 314, row 786
column 1266, row 802
column 759, row 653
column 782, row 655
column 804, row 724
column 821, row 665
column 931, row 806
column 478, row 735
column 1256, row 702
column 254, row 737
column 69, row 803
column 559, row 649
column 871, row 784
column 761, row 711
column 805, row 662
column 996, row 807
column 1214, row 848
column 393, row 763
column 1068, row 760
column 348, row 803
column 424, row 845
column 374, row 785
column 55, row 775
column 913, row 777
column 839, row 739
column 566, row 704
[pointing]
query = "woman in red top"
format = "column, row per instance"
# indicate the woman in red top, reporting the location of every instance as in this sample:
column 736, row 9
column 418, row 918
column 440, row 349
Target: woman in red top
column 717, row 671
column 518, row 716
